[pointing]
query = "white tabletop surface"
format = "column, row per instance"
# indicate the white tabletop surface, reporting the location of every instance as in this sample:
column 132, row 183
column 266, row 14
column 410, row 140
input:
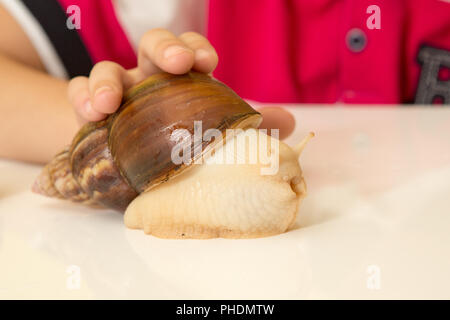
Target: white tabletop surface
column 376, row 224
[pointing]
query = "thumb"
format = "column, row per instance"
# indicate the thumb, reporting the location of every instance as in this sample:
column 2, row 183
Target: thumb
column 277, row 118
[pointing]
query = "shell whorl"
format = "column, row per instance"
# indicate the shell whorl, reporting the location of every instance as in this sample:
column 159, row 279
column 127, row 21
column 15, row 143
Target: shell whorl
column 112, row 161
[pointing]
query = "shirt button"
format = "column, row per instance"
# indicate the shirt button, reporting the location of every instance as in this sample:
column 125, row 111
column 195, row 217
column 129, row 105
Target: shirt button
column 356, row 40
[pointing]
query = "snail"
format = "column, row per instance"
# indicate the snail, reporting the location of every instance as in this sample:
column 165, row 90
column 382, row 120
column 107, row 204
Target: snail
column 126, row 162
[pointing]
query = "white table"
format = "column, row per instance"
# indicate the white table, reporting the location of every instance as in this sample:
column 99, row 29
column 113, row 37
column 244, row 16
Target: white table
column 376, row 224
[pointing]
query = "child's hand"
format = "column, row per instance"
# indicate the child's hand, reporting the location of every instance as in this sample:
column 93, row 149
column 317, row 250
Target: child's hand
column 277, row 118
column 159, row 50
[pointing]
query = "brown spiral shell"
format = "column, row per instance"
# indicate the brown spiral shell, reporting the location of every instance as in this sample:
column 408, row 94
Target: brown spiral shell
column 112, row 161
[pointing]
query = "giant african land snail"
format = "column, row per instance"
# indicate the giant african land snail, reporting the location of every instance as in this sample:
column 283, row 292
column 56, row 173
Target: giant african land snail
column 124, row 162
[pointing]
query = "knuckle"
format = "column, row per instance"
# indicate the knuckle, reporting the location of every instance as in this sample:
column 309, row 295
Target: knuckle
column 105, row 73
column 195, row 39
column 191, row 34
column 165, row 43
column 74, row 82
column 76, row 87
column 104, row 65
column 151, row 34
column 155, row 31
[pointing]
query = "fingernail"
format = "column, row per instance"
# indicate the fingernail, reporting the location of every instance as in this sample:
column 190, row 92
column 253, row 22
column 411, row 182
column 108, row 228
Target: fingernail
column 90, row 114
column 201, row 54
column 174, row 51
column 87, row 107
column 103, row 89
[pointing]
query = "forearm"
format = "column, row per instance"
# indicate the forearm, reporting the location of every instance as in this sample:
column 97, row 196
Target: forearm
column 36, row 119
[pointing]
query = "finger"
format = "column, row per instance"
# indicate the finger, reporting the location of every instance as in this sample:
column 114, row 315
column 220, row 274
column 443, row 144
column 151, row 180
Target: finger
column 78, row 95
column 276, row 118
column 105, row 86
column 161, row 49
column 132, row 77
column 206, row 58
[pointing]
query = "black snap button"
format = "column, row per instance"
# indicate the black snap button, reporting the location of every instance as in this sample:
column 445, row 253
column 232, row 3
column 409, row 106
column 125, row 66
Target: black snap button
column 356, row 40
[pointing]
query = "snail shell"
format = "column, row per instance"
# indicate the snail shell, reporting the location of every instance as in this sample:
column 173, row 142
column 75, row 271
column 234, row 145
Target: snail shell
column 112, row 161
column 124, row 162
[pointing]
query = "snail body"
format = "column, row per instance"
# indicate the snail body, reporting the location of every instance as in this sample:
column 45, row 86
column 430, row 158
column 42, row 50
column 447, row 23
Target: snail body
column 125, row 162
column 233, row 200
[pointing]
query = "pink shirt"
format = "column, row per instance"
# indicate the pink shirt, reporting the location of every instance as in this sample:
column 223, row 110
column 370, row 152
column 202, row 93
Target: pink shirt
column 296, row 51
column 300, row 51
